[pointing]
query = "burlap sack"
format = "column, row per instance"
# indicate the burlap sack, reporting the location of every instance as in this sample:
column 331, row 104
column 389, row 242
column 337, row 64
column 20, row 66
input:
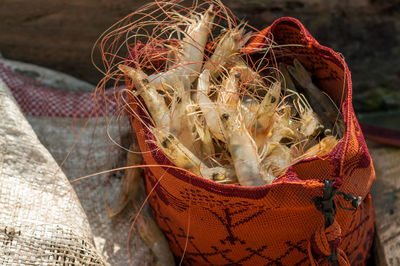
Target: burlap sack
column 50, row 100
column 41, row 219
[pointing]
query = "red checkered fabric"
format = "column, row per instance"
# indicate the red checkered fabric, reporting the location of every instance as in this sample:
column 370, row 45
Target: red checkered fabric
column 38, row 99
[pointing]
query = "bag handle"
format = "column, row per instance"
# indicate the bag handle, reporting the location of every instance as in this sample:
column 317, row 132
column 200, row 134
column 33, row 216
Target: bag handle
column 326, row 240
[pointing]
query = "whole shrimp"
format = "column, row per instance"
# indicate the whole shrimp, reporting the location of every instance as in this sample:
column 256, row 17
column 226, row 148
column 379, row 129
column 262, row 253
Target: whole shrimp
column 130, row 178
column 330, row 116
column 194, row 43
column 229, row 44
column 155, row 240
column 155, row 102
column 190, row 56
column 184, row 158
column 243, row 150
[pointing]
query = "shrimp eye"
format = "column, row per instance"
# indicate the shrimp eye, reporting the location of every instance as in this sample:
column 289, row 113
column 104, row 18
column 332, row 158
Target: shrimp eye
column 145, row 81
column 225, row 116
column 165, row 143
column 328, row 132
column 161, row 92
column 285, row 140
column 218, row 176
column 237, row 75
column 320, row 128
column 273, row 99
column 178, row 99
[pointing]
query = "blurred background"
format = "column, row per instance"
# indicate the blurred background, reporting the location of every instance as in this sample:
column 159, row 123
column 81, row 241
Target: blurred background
column 60, row 34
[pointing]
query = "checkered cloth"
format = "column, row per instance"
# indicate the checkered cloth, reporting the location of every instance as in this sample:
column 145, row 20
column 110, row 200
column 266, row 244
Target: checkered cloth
column 37, row 99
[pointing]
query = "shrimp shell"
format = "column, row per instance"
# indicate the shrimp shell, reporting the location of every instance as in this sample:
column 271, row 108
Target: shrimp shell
column 277, row 158
column 323, row 147
column 210, row 110
column 228, row 94
column 194, row 44
column 243, row 150
column 226, row 48
column 130, row 179
column 155, row 240
column 184, row 158
column 266, row 113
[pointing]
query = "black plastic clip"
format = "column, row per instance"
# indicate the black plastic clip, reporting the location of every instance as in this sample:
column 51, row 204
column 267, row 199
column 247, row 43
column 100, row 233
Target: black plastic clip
column 355, row 201
column 326, row 203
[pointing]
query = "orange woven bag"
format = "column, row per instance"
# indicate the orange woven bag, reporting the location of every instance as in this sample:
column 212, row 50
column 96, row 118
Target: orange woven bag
column 319, row 212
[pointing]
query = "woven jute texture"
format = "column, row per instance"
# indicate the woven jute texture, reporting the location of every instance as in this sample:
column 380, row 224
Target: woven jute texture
column 41, row 219
column 277, row 224
column 44, row 220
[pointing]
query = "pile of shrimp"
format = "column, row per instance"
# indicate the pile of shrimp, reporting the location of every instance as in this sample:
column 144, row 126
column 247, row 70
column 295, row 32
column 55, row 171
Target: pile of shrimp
column 214, row 111
column 217, row 115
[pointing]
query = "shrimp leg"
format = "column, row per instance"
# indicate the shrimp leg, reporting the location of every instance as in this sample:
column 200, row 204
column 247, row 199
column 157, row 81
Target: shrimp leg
column 207, row 146
column 266, row 114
